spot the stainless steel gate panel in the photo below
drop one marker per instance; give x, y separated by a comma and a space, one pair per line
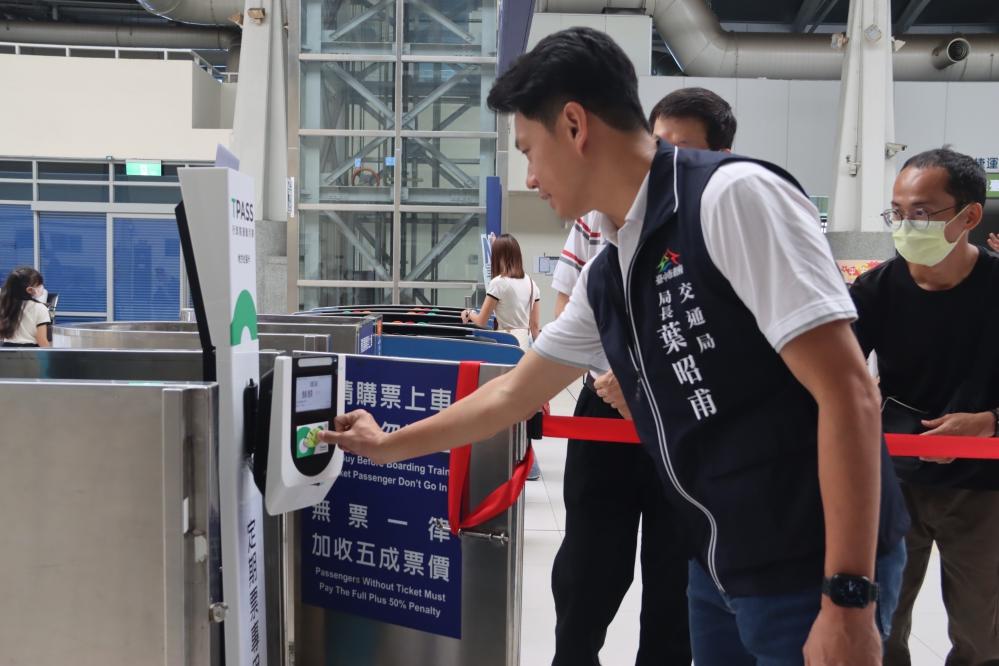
491, 589
177, 335
109, 514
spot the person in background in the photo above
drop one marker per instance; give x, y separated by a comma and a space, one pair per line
514, 298
24, 313
608, 486
930, 316
511, 295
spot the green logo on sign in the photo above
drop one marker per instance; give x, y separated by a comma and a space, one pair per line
243, 317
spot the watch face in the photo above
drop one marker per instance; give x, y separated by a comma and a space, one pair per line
850, 591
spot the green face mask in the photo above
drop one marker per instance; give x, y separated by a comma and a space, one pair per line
926, 247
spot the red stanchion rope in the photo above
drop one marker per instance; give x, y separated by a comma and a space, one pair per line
500, 499
924, 446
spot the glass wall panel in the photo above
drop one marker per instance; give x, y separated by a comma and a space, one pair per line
15, 169
16, 191
450, 298
453, 27
322, 297
73, 171
88, 193
442, 247
342, 245
447, 170
150, 195
348, 95
73, 253
338, 169
348, 26
447, 96
146, 269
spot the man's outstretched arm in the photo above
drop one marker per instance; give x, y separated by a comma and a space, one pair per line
504, 401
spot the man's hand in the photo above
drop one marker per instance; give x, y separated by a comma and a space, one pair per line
960, 424
993, 241
608, 388
843, 637
358, 433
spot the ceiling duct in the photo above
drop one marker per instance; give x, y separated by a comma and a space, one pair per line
138, 36
702, 47
198, 12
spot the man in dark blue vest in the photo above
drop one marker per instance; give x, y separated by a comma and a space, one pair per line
725, 319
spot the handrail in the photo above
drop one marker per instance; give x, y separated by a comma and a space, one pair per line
68, 49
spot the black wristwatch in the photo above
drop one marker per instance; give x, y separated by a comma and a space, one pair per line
850, 591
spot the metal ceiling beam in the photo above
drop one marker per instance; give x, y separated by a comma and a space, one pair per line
807, 12
823, 13
359, 20
358, 245
445, 22
909, 16
443, 246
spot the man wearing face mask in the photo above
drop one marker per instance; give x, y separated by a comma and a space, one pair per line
930, 316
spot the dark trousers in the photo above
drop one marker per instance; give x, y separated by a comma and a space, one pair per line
965, 526
607, 488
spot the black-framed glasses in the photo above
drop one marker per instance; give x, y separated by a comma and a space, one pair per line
919, 217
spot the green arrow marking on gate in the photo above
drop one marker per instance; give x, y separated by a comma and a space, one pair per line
243, 317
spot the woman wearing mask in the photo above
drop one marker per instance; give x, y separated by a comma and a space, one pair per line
513, 296
24, 315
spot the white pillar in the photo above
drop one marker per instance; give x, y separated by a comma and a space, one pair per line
864, 175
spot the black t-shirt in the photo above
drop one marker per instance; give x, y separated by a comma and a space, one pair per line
937, 351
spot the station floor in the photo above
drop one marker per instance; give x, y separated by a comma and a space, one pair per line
544, 525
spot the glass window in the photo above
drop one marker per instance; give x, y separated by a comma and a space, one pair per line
341, 245
337, 169
90, 193
17, 238
12, 169
147, 195
447, 27
16, 191
447, 171
446, 96
442, 247
349, 26
73, 253
146, 270
324, 297
73, 171
169, 172
451, 298
348, 95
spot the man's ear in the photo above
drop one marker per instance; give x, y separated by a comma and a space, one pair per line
576, 123
975, 212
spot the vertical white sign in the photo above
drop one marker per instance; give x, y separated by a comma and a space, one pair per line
219, 207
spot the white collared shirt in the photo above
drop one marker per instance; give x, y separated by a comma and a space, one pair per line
763, 235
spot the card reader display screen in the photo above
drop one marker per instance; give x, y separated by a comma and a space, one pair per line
313, 393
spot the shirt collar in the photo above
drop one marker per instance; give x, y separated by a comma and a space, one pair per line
635, 217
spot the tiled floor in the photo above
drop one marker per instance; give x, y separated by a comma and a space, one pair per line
544, 525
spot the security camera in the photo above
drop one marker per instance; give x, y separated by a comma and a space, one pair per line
892, 149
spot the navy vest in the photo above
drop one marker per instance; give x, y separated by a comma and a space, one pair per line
732, 431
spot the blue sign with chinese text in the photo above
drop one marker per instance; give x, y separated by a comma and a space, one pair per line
379, 545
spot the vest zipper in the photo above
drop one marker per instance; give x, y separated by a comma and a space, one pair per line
657, 419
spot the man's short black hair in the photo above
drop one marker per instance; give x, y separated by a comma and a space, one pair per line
576, 65
966, 180
704, 105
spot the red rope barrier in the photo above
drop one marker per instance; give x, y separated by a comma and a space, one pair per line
923, 446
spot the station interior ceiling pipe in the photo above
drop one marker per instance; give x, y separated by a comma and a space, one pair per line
198, 12
137, 36
701, 46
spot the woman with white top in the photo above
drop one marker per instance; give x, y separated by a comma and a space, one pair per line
514, 298
511, 295
24, 315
